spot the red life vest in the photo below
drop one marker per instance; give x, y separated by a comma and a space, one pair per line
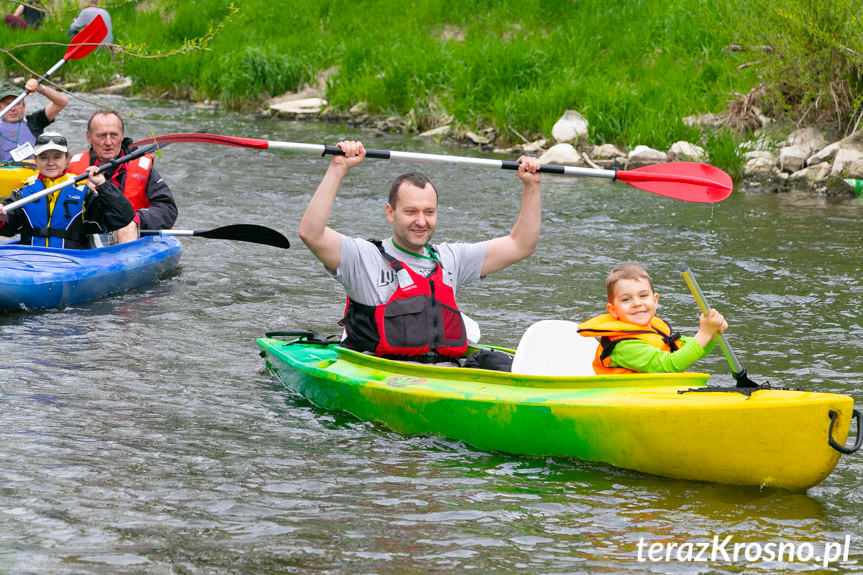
134, 185
610, 331
421, 317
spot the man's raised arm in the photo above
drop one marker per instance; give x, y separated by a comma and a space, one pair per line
320, 238
522, 239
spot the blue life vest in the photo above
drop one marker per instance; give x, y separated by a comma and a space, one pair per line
65, 222
12, 136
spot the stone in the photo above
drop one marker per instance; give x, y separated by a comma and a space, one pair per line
761, 167
825, 154
477, 138
855, 169
534, 147
798, 147
570, 127
563, 154
645, 156
438, 132
808, 136
607, 152
793, 158
760, 154
849, 151
686, 152
805, 178
300, 107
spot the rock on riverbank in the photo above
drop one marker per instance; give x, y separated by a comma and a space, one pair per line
804, 161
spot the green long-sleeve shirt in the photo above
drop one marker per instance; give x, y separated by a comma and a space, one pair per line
642, 357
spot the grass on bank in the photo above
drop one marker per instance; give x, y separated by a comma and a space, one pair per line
633, 68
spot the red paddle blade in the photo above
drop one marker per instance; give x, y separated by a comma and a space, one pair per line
87, 39
688, 181
197, 137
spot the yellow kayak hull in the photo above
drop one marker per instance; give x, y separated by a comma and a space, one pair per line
664, 424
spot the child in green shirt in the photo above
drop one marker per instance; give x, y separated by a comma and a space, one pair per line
633, 339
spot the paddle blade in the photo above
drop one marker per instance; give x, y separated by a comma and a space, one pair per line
247, 233
199, 138
87, 39
688, 181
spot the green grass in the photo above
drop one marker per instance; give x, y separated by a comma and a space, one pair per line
633, 68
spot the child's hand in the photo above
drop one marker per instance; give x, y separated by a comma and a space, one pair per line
713, 322
709, 326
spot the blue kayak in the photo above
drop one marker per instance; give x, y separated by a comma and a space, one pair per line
37, 277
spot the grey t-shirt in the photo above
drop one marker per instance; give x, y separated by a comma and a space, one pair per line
86, 16
368, 279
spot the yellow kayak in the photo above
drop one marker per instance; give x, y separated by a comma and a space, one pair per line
671, 425
13, 175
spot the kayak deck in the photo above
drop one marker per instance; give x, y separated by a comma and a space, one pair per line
13, 175
40, 277
664, 424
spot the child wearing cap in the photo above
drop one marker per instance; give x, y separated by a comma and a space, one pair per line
633, 340
65, 218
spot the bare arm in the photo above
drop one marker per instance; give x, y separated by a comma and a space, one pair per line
522, 239
57, 101
320, 238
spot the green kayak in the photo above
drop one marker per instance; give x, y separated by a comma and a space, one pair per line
664, 424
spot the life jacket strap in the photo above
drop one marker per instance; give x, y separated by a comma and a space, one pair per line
56, 233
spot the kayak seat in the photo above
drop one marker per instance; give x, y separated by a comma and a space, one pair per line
554, 347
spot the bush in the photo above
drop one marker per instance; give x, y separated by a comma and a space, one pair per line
809, 54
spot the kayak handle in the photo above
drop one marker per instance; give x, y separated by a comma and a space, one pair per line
842, 448
293, 333
304, 336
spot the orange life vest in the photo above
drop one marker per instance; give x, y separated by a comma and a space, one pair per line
610, 331
135, 184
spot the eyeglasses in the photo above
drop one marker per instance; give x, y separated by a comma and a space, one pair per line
45, 139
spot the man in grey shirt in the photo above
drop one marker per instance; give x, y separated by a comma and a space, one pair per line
368, 276
89, 14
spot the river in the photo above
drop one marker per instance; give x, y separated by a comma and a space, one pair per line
141, 433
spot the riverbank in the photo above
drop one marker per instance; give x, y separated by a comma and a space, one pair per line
634, 72
804, 161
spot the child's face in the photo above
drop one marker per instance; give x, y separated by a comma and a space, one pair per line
634, 301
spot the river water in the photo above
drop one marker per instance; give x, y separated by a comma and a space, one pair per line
142, 434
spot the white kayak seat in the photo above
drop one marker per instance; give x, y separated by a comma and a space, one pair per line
471, 329
554, 347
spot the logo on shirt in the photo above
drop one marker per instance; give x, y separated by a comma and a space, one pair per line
387, 277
